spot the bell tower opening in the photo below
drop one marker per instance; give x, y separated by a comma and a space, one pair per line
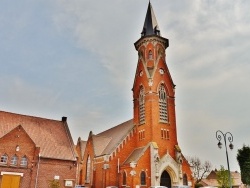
165, 179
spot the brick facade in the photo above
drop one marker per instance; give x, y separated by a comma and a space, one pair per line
144, 151
141, 152
45, 146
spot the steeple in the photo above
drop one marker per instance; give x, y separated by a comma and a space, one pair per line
150, 25
153, 89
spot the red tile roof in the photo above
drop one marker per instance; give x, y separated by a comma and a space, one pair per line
106, 142
52, 136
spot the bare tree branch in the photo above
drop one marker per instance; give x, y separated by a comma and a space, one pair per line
200, 170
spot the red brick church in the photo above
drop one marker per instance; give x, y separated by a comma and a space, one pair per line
143, 151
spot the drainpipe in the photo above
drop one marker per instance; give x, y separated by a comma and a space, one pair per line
38, 165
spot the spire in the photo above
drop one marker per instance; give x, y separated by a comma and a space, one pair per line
150, 25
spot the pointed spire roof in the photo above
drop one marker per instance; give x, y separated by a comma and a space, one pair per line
151, 26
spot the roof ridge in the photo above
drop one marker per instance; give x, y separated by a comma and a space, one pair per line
30, 116
113, 127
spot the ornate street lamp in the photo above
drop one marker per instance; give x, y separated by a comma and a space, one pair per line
226, 136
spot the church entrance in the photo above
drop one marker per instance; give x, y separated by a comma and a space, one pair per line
165, 179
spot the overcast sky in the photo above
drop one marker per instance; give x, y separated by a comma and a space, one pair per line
77, 59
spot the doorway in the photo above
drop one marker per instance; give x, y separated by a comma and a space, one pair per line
165, 179
10, 181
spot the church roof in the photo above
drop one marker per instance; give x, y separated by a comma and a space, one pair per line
82, 146
135, 155
151, 26
107, 141
52, 136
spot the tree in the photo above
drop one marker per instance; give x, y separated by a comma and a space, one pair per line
54, 184
200, 170
223, 178
243, 158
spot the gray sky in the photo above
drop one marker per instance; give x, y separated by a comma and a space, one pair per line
77, 59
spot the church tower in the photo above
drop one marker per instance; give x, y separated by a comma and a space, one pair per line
143, 151
154, 90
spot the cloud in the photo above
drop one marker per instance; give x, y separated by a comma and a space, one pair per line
77, 59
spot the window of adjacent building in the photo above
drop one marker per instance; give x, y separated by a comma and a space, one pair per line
4, 159
143, 178
17, 148
87, 177
14, 160
124, 178
163, 104
141, 106
24, 161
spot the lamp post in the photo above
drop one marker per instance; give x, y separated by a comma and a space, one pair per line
226, 136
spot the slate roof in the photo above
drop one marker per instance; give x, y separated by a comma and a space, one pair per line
52, 136
107, 141
151, 26
135, 155
138, 152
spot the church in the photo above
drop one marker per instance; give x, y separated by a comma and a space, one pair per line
144, 150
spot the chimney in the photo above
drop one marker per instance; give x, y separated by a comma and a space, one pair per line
64, 119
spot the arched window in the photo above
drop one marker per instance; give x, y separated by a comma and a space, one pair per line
150, 55
14, 160
124, 178
168, 134
143, 178
24, 161
80, 178
141, 106
4, 159
87, 176
185, 181
141, 134
163, 104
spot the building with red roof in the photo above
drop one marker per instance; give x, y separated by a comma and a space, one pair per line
143, 151
35, 151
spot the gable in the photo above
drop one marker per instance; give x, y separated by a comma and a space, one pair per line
80, 147
17, 141
16, 134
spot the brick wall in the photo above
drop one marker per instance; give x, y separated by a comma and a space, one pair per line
47, 168
51, 168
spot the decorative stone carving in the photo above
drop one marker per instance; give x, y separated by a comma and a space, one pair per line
156, 161
150, 83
